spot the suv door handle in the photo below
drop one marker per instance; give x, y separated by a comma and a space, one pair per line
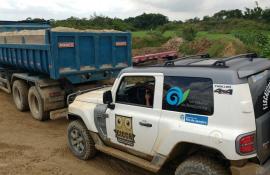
143, 123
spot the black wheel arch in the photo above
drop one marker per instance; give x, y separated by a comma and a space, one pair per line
73, 117
184, 150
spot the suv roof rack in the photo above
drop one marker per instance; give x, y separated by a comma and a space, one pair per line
171, 62
217, 64
222, 63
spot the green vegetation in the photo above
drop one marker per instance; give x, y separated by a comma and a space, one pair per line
256, 41
149, 39
217, 45
226, 32
189, 33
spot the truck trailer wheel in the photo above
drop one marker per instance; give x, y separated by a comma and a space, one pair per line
80, 141
36, 105
200, 165
19, 93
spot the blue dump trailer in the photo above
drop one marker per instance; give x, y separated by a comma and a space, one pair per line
40, 66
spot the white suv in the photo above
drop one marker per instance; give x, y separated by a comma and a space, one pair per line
210, 116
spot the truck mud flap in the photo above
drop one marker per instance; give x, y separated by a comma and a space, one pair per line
58, 114
100, 120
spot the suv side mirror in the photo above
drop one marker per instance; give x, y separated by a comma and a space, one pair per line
107, 99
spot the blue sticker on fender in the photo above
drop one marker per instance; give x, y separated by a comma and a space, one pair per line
196, 119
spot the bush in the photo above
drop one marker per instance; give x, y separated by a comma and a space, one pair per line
215, 48
189, 33
198, 46
169, 27
186, 49
256, 41
152, 39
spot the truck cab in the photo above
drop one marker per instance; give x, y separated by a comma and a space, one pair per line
209, 116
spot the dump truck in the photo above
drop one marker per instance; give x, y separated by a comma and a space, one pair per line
41, 66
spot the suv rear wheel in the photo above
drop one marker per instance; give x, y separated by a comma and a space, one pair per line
80, 141
200, 165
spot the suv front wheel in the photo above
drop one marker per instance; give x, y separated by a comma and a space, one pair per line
80, 141
200, 165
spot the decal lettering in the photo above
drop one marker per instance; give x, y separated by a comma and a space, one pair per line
266, 97
124, 130
121, 44
66, 45
223, 89
196, 119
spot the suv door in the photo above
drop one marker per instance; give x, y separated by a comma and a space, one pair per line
134, 121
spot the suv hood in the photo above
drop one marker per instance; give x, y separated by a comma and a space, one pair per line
95, 96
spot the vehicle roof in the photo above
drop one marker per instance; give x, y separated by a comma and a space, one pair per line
235, 71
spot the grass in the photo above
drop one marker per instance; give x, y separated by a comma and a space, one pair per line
139, 34
142, 34
213, 43
214, 36
170, 33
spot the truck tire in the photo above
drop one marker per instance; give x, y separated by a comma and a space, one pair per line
19, 93
201, 165
80, 141
36, 105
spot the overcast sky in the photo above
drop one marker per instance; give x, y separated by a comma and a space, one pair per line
174, 9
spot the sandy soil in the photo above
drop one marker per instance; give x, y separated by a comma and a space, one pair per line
29, 147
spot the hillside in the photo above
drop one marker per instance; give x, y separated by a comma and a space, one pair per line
225, 33
242, 36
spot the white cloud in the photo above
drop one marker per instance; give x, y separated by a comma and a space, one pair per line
60, 9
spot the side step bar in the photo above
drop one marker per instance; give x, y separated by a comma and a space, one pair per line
128, 158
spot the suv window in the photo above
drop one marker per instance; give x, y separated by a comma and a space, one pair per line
188, 94
136, 90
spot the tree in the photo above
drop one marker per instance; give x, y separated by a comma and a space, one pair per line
28, 19
206, 18
228, 14
193, 20
148, 21
266, 15
255, 13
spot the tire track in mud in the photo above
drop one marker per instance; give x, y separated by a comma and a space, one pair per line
20, 159
29, 147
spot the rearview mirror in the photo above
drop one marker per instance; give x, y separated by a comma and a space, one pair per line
107, 99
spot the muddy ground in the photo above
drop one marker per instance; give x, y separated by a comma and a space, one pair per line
29, 147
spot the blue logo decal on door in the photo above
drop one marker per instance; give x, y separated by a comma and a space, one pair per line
176, 97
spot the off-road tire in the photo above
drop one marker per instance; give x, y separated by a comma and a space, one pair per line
36, 105
201, 165
20, 95
89, 150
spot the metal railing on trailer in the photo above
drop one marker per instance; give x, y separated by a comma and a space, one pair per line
8, 26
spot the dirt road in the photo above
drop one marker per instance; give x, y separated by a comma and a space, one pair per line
30, 147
